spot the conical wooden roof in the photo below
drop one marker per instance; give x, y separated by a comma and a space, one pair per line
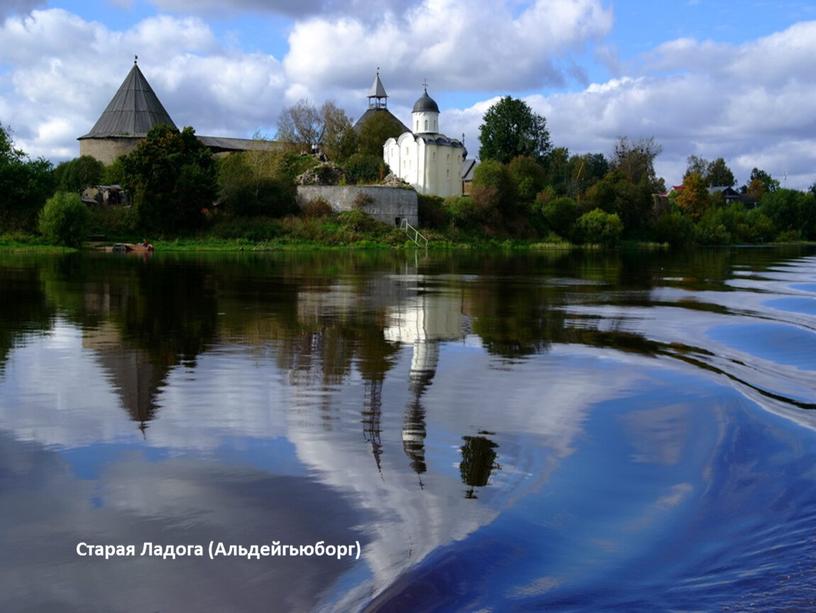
133, 111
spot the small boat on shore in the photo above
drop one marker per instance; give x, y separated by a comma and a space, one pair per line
140, 248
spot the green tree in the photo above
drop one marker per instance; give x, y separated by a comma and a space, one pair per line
64, 219
377, 129
560, 215
172, 178
25, 184
528, 177
791, 212
558, 170
762, 182
617, 194
509, 129
79, 173
719, 174
598, 226
114, 173
586, 170
493, 187
256, 183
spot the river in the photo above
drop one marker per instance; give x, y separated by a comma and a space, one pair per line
555, 430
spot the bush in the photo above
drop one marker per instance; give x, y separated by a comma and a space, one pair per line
463, 212
598, 226
249, 228
560, 215
358, 221
712, 229
791, 212
432, 212
492, 186
64, 219
114, 174
112, 222
317, 208
255, 184
292, 165
365, 168
674, 228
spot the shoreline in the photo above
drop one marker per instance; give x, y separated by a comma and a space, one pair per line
193, 245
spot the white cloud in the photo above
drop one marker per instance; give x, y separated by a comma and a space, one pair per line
750, 103
447, 42
63, 70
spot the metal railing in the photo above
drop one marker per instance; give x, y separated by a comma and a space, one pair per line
415, 235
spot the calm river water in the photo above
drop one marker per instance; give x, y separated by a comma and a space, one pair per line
570, 431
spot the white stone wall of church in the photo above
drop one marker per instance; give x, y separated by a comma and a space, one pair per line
425, 122
430, 168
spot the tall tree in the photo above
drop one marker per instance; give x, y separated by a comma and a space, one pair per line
172, 177
338, 139
301, 125
719, 174
509, 129
760, 177
585, 171
635, 159
79, 173
714, 174
696, 164
25, 184
694, 198
558, 170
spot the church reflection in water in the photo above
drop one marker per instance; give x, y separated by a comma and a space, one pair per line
320, 348
423, 322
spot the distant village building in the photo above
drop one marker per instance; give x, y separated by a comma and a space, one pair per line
130, 115
426, 158
468, 172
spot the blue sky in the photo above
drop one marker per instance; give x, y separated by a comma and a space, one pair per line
678, 70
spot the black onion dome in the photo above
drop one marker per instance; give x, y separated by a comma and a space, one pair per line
425, 104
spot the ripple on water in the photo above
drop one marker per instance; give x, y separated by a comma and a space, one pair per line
806, 306
779, 343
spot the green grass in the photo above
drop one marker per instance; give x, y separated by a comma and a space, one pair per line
327, 234
23, 242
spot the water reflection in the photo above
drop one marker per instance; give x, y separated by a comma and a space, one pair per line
478, 462
431, 409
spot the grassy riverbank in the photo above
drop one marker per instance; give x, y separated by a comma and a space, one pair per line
332, 237
22, 242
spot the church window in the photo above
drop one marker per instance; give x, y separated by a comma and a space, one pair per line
426, 124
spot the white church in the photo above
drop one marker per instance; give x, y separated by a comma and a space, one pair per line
428, 160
